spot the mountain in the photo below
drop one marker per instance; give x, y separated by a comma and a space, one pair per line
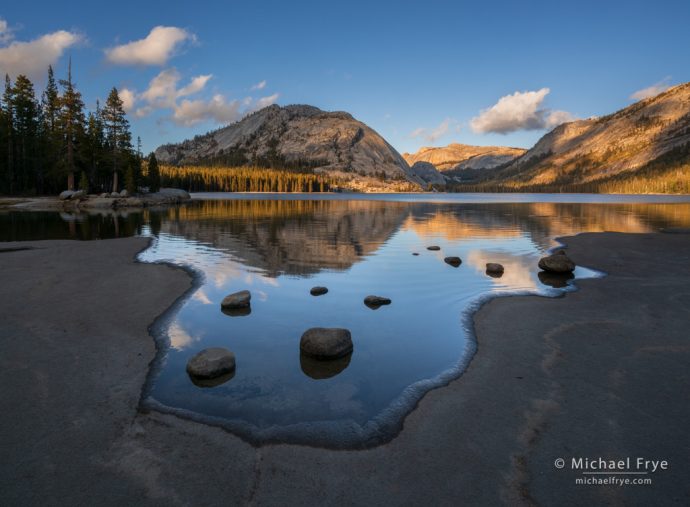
298, 136
648, 141
456, 157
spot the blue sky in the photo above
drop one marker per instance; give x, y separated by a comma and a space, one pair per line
420, 73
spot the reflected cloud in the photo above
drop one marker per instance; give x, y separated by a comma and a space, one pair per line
518, 270
179, 338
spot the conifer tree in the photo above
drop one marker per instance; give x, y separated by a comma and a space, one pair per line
154, 175
72, 125
117, 133
26, 126
8, 113
50, 128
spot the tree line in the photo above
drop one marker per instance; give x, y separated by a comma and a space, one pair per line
244, 179
47, 143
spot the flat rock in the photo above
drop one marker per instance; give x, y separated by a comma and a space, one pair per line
453, 261
211, 363
376, 301
239, 299
318, 291
558, 262
326, 343
433, 247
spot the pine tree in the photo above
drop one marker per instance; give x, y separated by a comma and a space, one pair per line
154, 175
72, 124
26, 126
8, 110
117, 133
50, 129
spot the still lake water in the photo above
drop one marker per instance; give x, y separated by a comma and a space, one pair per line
279, 246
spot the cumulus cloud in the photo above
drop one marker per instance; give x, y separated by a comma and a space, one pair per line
519, 111
33, 57
127, 97
259, 86
155, 49
191, 112
164, 92
436, 133
653, 90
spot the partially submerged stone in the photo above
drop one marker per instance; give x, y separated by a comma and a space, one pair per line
558, 262
326, 343
318, 291
375, 301
433, 247
236, 300
494, 269
453, 261
211, 363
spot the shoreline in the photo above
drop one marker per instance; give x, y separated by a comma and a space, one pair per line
485, 437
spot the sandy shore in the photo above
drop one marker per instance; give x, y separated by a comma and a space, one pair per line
600, 372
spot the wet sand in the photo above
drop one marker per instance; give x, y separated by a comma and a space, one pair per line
603, 371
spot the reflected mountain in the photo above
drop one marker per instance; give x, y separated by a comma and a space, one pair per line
289, 237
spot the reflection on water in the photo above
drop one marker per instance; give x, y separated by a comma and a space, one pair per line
280, 249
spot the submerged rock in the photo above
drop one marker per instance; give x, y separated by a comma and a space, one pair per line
319, 369
494, 269
318, 291
211, 363
415, 253
326, 343
453, 261
433, 248
558, 262
236, 300
374, 302
212, 382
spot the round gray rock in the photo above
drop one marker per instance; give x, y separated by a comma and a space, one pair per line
211, 363
453, 261
326, 343
318, 291
494, 268
559, 262
376, 301
239, 299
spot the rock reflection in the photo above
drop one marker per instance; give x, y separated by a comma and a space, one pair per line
212, 382
237, 312
555, 280
320, 369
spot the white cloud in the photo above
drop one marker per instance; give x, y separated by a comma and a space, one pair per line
128, 98
191, 112
33, 57
519, 111
653, 90
265, 102
259, 86
164, 93
6, 34
155, 49
436, 133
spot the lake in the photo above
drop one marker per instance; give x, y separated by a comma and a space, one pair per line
279, 246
